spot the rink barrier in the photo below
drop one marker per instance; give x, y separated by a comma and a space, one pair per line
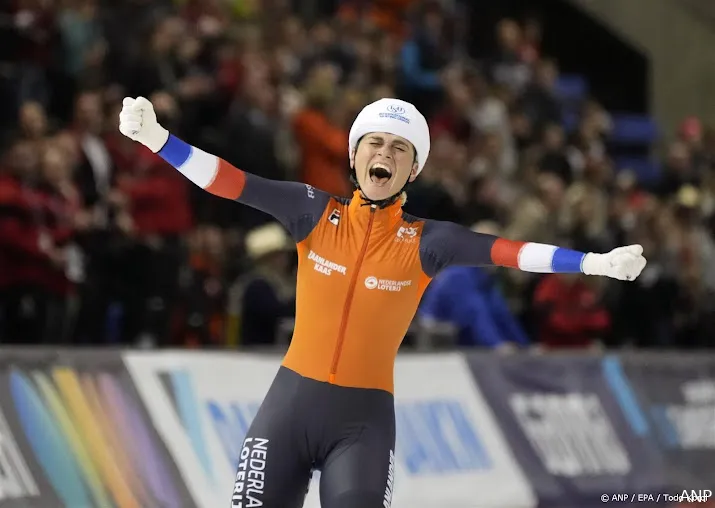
110, 428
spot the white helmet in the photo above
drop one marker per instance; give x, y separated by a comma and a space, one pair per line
396, 117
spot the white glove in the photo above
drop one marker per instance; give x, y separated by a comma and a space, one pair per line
137, 121
622, 263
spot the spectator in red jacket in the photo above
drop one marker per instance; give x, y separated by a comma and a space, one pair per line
155, 197
570, 314
61, 207
18, 245
38, 204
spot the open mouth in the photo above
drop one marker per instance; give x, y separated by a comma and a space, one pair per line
380, 174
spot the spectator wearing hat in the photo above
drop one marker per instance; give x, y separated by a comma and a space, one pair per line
265, 296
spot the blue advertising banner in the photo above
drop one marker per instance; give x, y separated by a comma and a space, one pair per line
670, 400
74, 433
567, 429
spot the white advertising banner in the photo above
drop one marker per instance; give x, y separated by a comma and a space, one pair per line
450, 451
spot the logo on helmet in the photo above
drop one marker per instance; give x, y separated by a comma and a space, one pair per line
396, 113
394, 108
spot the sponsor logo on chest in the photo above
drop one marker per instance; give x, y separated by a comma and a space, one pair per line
325, 266
386, 284
334, 217
406, 235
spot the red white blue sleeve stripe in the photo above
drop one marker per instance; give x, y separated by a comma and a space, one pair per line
536, 257
222, 179
204, 169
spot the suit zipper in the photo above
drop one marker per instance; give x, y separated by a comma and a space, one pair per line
349, 299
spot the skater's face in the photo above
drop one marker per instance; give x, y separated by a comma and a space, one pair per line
383, 163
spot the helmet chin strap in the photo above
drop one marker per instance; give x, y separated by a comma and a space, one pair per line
379, 203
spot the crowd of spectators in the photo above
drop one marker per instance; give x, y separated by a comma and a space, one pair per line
101, 242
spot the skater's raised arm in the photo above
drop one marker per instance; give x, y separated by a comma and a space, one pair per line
444, 244
297, 206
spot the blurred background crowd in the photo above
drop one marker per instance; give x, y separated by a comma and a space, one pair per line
101, 242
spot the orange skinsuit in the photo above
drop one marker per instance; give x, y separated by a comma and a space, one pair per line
361, 269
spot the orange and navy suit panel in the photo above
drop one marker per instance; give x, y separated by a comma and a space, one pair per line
361, 270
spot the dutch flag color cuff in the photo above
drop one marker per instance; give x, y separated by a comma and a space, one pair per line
536, 257
205, 170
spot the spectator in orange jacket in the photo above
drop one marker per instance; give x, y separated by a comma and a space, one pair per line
388, 15
323, 144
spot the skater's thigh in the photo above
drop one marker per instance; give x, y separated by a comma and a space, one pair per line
359, 470
274, 468
360, 474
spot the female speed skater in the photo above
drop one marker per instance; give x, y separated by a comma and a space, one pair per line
363, 267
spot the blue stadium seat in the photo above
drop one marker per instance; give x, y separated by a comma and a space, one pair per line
571, 89
647, 171
570, 121
633, 130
